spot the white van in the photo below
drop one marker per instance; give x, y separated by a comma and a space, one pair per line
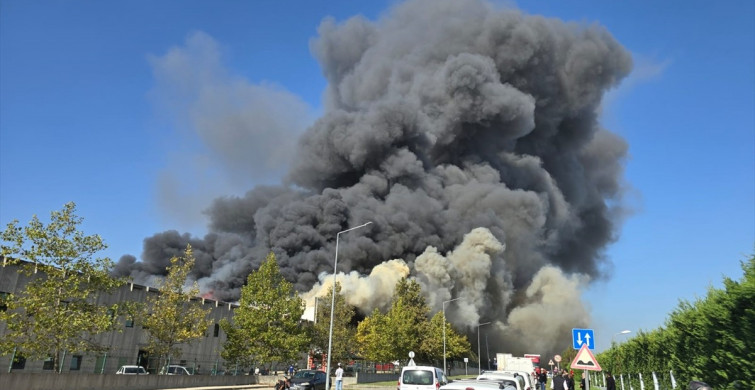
421, 378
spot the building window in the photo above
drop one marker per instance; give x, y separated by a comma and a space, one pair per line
216, 332
75, 362
4, 296
48, 364
19, 362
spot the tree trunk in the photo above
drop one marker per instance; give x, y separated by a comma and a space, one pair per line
56, 361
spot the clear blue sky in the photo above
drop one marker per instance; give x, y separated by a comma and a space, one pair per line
85, 117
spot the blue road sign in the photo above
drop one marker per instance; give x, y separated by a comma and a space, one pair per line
582, 336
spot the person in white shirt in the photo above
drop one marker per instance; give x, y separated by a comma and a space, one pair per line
339, 377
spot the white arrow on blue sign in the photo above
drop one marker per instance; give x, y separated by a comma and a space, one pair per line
582, 336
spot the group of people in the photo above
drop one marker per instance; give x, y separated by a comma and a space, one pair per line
285, 383
564, 380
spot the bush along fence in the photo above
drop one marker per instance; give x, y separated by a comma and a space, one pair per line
710, 340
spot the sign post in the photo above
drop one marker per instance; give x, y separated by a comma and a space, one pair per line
585, 360
557, 358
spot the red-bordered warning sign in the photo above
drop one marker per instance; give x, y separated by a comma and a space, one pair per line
585, 360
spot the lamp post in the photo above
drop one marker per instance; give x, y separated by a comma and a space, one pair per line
444, 331
333, 302
616, 334
479, 361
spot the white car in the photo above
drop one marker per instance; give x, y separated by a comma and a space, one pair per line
522, 380
473, 384
174, 370
132, 370
529, 380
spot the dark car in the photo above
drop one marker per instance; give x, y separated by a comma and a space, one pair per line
308, 380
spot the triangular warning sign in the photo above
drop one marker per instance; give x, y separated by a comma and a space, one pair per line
585, 360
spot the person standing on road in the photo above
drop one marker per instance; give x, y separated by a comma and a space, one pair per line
339, 377
570, 379
559, 382
542, 379
610, 382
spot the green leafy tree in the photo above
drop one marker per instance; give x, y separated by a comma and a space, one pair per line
344, 333
567, 355
374, 338
56, 312
171, 317
457, 345
408, 320
267, 325
390, 336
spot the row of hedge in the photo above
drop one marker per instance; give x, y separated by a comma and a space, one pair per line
711, 340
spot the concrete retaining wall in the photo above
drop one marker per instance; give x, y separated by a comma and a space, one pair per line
51, 381
364, 377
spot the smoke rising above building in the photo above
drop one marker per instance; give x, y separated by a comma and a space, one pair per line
468, 135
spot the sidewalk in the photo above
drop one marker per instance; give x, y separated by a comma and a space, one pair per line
264, 386
234, 387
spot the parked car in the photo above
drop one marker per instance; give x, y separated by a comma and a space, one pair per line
308, 380
473, 384
498, 376
132, 370
421, 378
528, 380
174, 370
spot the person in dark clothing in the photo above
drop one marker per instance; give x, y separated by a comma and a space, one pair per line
570, 379
542, 379
560, 382
283, 384
610, 382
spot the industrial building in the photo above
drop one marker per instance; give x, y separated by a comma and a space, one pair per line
128, 341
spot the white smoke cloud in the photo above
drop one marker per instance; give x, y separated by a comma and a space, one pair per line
547, 308
366, 292
552, 306
464, 272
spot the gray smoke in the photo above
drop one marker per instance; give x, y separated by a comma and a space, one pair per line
441, 117
228, 134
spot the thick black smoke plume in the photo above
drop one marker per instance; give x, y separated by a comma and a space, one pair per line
468, 135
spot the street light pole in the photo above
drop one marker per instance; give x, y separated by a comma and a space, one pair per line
444, 331
333, 303
616, 334
479, 361
612, 342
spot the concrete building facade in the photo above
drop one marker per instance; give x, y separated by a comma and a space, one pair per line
126, 344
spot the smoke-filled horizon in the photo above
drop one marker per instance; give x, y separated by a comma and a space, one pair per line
468, 135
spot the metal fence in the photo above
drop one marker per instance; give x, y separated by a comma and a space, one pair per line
109, 362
